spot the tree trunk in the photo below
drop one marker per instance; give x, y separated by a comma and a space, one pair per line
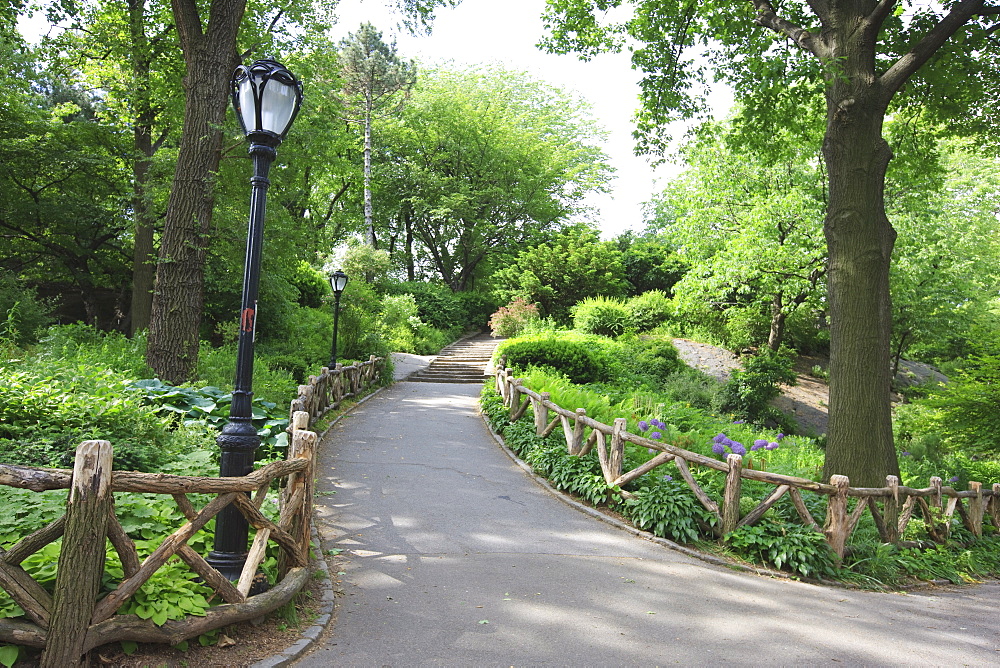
411, 272
143, 254
778, 318
210, 57
369, 216
860, 241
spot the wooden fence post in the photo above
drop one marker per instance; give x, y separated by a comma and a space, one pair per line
81, 559
731, 495
836, 515
299, 485
891, 510
541, 413
617, 454
576, 438
976, 509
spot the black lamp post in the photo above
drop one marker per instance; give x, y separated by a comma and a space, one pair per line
338, 281
266, 97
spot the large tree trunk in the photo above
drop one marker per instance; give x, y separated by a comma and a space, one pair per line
210, 57
860, 241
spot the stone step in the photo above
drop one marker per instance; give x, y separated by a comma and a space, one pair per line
462, 362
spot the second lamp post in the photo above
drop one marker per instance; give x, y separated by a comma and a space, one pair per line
338, 281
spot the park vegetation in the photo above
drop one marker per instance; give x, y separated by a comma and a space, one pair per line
454, 198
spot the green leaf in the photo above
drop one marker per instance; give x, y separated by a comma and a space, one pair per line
129, 646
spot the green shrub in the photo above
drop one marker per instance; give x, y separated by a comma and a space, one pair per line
668, 508
787, 546
273, 383
649, 310
82, 345
748, 392
45, 414
359, 334
601, 316
514, 318
574, 358
653, 357
22, 313
312, 285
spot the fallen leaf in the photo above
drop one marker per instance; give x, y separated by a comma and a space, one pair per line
225, 641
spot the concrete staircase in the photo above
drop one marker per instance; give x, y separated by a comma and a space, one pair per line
464, 361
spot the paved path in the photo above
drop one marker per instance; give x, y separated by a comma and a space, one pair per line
455, 557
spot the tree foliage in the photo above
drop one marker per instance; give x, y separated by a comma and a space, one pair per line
750, 228
796, 65
558, 274
483, 161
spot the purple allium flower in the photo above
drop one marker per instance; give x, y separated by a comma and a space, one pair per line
771, 446
656, 434
779, 437
954, 478
719, 438
737, 448
650, 450
643, 425
718, 448
657, 423
668, 478
905, 453
758, 444
739, 421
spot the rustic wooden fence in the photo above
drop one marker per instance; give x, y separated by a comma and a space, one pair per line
73, 620
328, 390
891, 507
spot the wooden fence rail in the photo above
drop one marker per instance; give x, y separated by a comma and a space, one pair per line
326, 391
73, 620
892, 507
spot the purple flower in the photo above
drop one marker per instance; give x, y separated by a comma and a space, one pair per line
779, 437
905, 453
771, 446
656, 434
650, 450
719, 438
737, 448
954, 478
657, 423
643, 425
740, 422
718, 448
758, 444
668, 478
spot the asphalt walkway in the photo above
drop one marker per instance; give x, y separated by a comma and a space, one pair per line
454, 556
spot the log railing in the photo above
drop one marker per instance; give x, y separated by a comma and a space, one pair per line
891, 507
326, 391
72, 620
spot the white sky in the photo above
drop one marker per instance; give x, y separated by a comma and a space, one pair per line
487, 31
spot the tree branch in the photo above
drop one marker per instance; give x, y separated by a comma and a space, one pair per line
768, 18
904, 68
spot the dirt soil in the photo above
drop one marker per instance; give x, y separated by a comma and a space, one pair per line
806, 401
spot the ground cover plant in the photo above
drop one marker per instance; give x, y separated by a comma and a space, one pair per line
663, 505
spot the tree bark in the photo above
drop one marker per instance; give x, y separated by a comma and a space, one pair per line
210, 56
860, 240
143, 258
81, 559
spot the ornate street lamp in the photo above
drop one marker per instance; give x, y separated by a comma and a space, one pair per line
266, 97
338, 281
